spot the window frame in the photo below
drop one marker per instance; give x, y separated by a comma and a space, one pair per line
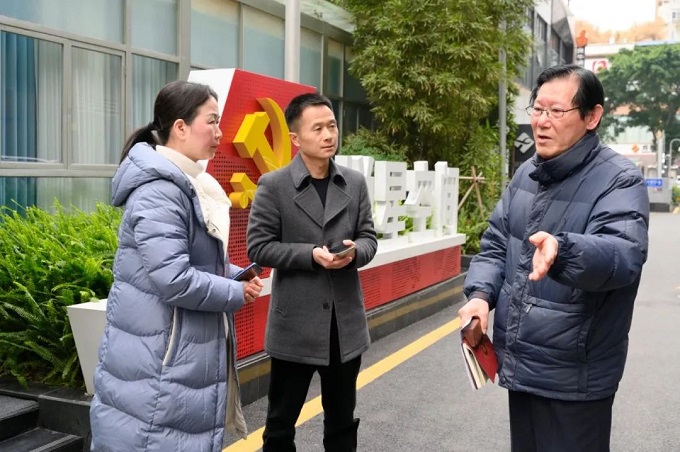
125, 51
16, 167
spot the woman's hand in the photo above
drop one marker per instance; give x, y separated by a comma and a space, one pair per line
252, 289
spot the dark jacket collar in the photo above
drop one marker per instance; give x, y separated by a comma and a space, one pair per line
559, 168
301, 175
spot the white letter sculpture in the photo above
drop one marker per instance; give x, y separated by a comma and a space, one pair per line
390, 191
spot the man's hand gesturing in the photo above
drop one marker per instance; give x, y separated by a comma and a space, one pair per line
545, 254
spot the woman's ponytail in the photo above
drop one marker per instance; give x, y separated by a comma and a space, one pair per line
145, 134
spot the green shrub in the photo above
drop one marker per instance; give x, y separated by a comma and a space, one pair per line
50, 261
676, 195
480, 153
372, 144
472, 224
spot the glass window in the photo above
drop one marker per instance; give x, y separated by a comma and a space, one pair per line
31, 81
148, 77
214, 33
353, 89
565, 53
17, 191
526, 78
336, 109
97, 107
350, 122
99, 19
335, 58
540, 47
529, 26
263, 43
161, 36
310, 58
554, 48
80, 192
365, 117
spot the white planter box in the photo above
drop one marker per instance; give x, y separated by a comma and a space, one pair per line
87, 323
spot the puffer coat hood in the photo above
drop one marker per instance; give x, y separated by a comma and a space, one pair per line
142, 166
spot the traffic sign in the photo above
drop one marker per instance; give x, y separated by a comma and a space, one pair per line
656, 183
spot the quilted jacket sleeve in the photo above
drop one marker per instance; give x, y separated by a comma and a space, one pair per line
487, 269
610, 253
160, 219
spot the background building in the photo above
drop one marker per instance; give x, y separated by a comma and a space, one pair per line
77, 76
669, 12
636, 143
552, 26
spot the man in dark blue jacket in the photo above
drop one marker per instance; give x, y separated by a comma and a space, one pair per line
561, 263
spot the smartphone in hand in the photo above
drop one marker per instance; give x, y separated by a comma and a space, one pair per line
341, 250
248, 273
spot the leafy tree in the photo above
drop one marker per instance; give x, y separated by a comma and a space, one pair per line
648, 31
431, 70
644, 83
373, 144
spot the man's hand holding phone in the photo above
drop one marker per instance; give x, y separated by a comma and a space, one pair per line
335, 256
341, 250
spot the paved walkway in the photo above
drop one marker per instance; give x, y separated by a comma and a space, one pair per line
415, 396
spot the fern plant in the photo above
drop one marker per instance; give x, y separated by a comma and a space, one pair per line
51, 261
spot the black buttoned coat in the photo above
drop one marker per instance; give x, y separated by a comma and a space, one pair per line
287, 220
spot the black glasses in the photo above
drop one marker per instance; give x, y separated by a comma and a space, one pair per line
554, 113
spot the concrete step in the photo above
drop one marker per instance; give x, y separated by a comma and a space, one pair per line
17, 416
42, 440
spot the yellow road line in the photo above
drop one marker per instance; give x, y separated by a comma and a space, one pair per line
313, 408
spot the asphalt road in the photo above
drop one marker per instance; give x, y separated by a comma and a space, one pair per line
426, 404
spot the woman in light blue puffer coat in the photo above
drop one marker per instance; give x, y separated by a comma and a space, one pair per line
166, 379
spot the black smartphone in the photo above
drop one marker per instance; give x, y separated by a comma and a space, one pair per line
340, 249
248, 273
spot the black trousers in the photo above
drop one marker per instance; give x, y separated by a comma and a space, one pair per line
539, 424
288, 387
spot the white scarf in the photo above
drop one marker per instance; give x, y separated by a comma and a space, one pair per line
214, 202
